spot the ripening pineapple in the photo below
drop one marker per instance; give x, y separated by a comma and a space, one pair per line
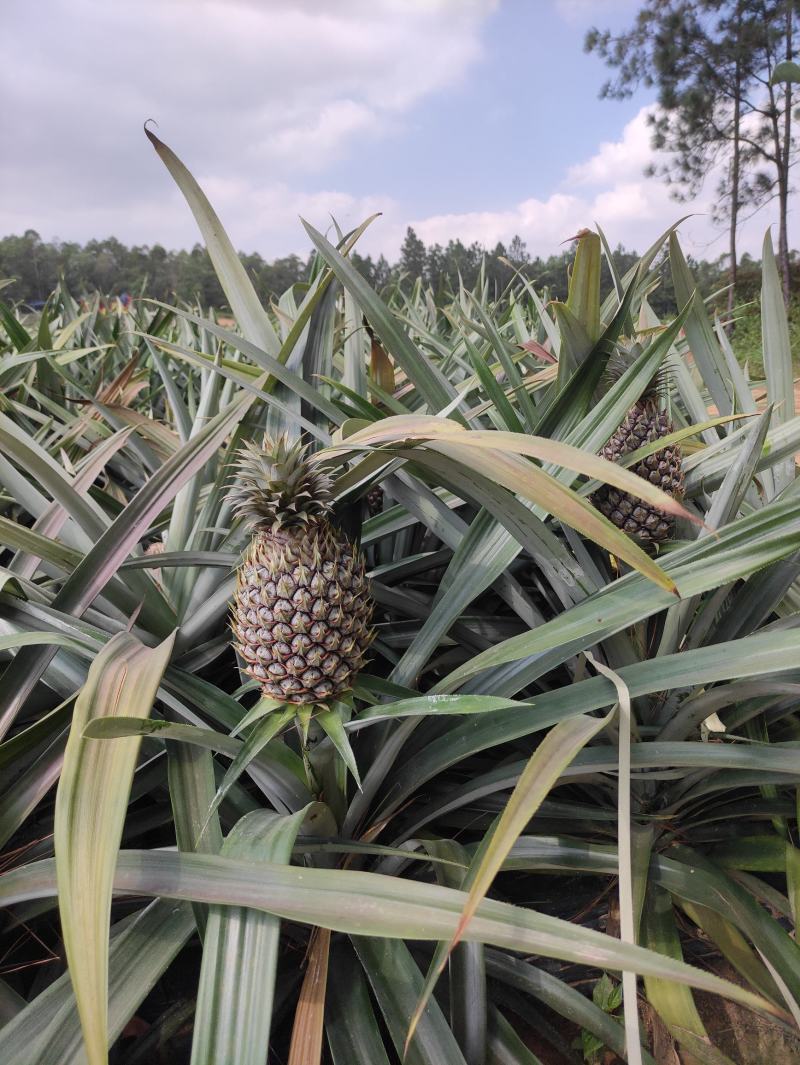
302, 612
644, 422
374, 498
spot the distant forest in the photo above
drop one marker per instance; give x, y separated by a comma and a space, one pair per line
111, 268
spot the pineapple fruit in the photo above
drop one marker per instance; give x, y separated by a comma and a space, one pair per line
644, 422
374, 499
302, 611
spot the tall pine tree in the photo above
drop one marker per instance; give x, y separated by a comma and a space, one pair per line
711, 62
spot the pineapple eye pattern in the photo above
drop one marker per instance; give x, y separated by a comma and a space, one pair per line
643, 424
302, 613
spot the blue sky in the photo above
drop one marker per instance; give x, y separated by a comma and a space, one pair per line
512, 125
475, 119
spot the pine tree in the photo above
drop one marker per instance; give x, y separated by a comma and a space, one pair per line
711, 62
412, 255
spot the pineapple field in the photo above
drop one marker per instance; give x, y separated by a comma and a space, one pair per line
389, 680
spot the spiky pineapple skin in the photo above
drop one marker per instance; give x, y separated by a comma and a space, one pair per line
643, 424
374, 499
302, 612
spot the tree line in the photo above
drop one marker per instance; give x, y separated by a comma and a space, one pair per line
112, 269
717, 67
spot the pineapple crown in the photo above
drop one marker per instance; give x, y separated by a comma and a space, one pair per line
277, 487
621, 360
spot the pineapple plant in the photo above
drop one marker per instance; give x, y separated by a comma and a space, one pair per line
302, 609
439, 791
645, 422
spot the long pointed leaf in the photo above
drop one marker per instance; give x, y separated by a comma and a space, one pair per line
240, 954
90, 809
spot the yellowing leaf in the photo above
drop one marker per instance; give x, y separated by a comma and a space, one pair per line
306, 1048
90, 810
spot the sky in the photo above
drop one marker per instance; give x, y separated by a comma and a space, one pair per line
470, 119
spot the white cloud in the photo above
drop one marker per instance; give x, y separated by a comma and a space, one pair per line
609, 189
271, 214
613, 159
543, 223
263, 218
260, 98
274, 90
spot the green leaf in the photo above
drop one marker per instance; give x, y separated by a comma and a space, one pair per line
53, 479
576, 344
97, 567
435, 705
355, 367
752, 656
674, 1002
793, 880
237, 286
17, 333
370, 904
275, 365
555, 752
350, 1023
694, 879
560, 997
276, 771
604, 416
785, 71
505, 413
178, 351
264, 706
468, 990
707, 468
35, 639
240, 954
530, 482
431, 383
583, 299
777, 354
265, 730
699, 332
742, 548
48, 1028
429, 431
632, 458
190, 776
52, 521
607, 995
10, 1003
732, 945
507, 362
504, 1046
628, 917
90, 810
397, 983
331, 723
480, 452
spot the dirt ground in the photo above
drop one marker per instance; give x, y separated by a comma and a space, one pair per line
760, 396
